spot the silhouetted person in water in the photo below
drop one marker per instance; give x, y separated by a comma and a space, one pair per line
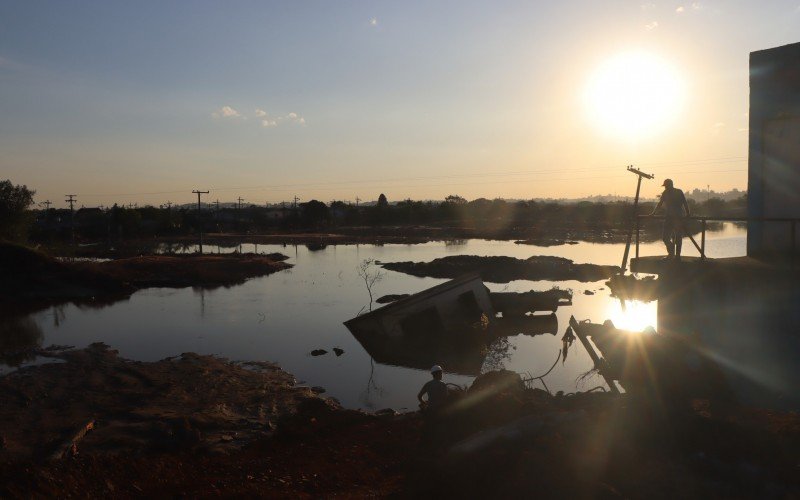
676, 209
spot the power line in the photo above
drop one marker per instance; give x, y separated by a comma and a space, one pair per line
488, 173
327, 185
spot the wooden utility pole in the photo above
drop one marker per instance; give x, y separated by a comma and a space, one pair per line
639, 175
199, 219
296, 199
357, 200
71, 200
46, 204
240, 200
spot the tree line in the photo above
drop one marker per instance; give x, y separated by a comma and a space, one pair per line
20, 221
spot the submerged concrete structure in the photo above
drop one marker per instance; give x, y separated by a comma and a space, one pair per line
773, 184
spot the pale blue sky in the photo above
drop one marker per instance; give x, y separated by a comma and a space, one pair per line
116, 100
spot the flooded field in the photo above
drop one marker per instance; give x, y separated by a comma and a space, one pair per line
285, 316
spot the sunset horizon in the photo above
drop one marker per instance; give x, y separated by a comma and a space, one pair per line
121, 104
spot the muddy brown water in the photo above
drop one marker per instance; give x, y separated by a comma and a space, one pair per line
284, 316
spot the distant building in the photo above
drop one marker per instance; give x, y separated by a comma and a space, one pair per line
774, 164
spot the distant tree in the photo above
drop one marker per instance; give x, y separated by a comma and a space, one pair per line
455, 199
315, 212
15, 219
382, 201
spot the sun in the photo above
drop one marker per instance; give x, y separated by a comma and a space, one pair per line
634, 95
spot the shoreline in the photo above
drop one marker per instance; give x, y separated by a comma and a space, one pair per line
190, 425
34, 280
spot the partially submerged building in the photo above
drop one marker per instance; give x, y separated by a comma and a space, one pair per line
453, 324
442, 324
444, 308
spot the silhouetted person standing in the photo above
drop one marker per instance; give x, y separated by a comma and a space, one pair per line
676, 209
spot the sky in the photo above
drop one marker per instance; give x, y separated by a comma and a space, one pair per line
143, 102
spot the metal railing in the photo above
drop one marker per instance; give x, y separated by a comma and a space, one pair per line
792, 222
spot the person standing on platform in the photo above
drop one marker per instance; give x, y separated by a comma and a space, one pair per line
676, 209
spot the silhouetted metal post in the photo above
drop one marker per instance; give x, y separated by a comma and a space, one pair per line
199, 220
71, 200
703, 242
639, 174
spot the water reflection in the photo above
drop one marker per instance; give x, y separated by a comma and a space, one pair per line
284, 316
633, 315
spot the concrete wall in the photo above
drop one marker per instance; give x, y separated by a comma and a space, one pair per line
447, 305
774, 159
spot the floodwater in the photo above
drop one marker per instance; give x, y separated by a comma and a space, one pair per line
284, 316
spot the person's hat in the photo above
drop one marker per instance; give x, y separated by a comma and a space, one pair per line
667, 182
436, 368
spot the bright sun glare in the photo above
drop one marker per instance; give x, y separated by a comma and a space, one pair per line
634, 95
634, 316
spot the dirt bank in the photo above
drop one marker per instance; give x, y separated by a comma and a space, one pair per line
189, 401
190, 424
505, 269
32, 279
197, 426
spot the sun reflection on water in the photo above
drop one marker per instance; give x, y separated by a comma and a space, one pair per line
632, 315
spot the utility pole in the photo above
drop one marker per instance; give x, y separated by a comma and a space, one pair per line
216, 205
639, 175
199, 219
46, 209
71, 200
296, 199
357, 200
240, 200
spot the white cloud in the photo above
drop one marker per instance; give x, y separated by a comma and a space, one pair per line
268, 120
680, 9
226, 112
264, 118
651, 26
373, 21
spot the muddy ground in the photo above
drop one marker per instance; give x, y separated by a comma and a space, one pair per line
199, 426
191, 424
498, 269
32, 279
